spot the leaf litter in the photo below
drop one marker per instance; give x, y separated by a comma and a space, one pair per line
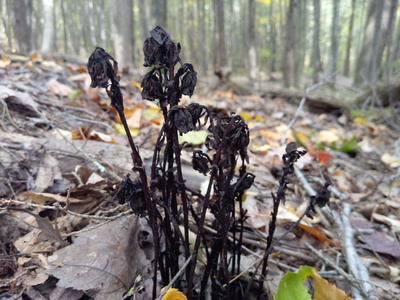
38, 159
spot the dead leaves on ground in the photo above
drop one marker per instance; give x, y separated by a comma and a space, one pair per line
57, 133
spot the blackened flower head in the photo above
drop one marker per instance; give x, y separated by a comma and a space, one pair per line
189, 80
182, 119
157, 48
152, 52
151, 87
100, 68
197, 111
131, 192
201, 162
232, 132
320, 199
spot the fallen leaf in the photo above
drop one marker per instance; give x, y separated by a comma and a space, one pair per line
390, 160
193, 137
291, 286
394, 224
323, 290
174, 294
105, 260
58, 88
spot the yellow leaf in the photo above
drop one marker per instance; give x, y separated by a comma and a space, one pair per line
328, 137
259, 118
360, 120
137, 84
193, 137
246, 116
120, 129
174, 294
324, 290
301, 138
4, 62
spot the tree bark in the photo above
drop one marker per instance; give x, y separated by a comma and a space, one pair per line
22, 11
123, 33
201, 51
316, 54
252, 52
346, 69
290, 40
219, 35
335, 33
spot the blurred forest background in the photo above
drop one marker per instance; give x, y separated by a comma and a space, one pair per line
294, 41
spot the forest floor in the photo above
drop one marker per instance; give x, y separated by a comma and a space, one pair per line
62, 151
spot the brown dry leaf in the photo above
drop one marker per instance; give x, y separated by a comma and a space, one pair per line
58, 88
41, 198
33, 241
319, 234
25, 102
381, 243
47, 173
323, 290
105, 260
392, 223
390, 160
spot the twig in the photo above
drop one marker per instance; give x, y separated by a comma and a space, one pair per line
57, 206
355, 266
300, 108
179, 273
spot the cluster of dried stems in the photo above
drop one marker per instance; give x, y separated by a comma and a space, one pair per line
163, 197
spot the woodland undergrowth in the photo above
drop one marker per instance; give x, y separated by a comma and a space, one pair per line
170, 207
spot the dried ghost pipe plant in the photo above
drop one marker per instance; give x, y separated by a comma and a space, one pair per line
163, 197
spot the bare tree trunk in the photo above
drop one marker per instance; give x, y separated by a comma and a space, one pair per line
370, 56
252, 52
333, 58
290, 40
219, 35
144, 27
48, 26
389, 38
273, 39
346, 70
316, 54
22, 11
160, 12
201, 51
123, 33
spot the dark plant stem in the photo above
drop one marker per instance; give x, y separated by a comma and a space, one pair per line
117, 101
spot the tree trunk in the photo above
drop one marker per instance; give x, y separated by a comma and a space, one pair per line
201, 51
290, 40
389, 38
144, 27
123, 33
48, 26
316, 54
370, 56
346, 70
334, 51
252, 52
219, 35
22, 11
160, 12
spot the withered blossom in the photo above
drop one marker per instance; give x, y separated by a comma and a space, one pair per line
131, 192
182, 119
100, 69
201, 162
244, 183
189, 80
291, 156
151, 87
320, 199
197, 111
